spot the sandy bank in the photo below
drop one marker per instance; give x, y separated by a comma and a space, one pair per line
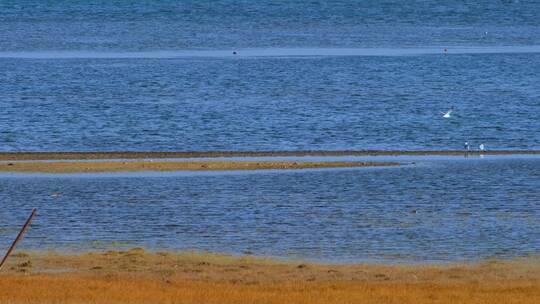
135, 155
145, 165
142, 277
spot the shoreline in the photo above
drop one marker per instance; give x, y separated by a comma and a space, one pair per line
66, 155
97, 277
165, 166
148, 262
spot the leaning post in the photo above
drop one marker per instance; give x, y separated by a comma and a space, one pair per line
18, 238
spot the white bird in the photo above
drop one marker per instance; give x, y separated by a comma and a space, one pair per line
448, 113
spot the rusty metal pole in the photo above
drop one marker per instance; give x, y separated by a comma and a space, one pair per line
18, 238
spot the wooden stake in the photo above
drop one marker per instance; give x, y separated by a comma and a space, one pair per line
18, 238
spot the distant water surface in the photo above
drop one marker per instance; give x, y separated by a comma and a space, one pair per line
150, 25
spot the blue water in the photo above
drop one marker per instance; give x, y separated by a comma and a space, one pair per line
436, 210
139, 75
277, 75
349, 102
151, 25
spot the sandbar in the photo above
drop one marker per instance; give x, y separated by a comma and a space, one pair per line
150, 165
5, 156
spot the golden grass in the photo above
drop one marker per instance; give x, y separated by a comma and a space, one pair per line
76, 288
145, 165
138, 276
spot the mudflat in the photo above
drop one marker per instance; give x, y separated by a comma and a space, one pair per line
139, 276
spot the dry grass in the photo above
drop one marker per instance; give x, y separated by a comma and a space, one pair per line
145, 165
70, 288
137, 276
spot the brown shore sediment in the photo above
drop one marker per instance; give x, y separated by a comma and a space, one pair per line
139, 276
148, 165
5, 156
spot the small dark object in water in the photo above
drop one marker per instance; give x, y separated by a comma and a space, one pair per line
234, 53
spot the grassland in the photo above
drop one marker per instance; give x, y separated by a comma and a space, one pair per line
138, 276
